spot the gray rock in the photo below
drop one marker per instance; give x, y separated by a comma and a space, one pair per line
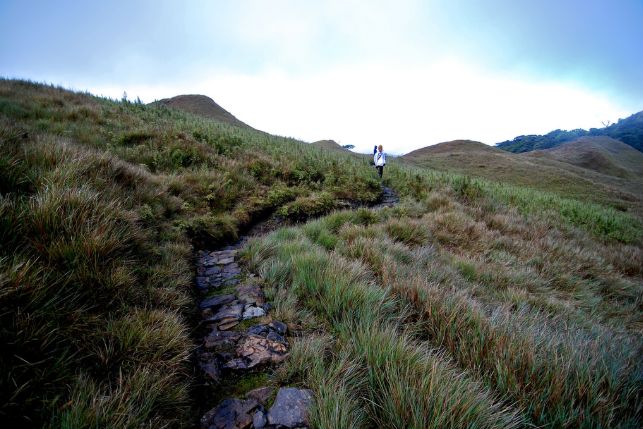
261, 394
259, 420
230, 414
280, 327
232, 269
256, 351
290, 408
221, 339
202, 282
251, 294
227, 324
236, 364
261, 330
273, 336
232, 311
252, 312
225, 260
229, 281
217, 301
212, 271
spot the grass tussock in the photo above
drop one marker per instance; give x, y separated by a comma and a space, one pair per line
551, 329
472, 304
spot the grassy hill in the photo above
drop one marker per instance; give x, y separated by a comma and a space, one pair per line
330, 145
593, 169
472, 303
628, 130
202, 106
601, 154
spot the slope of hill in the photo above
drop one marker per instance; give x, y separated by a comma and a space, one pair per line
469, 304
202, 106
330, 144
559, 171
601, 154
628, 130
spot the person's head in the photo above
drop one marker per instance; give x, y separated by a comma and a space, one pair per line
380, 148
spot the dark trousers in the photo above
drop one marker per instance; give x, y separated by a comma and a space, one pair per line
380, 170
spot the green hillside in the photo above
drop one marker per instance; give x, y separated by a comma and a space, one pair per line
471, 303
594, 169
330, 145
202, 106
628, 130
601, 154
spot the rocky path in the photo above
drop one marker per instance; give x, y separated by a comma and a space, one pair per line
241, 338
389, 198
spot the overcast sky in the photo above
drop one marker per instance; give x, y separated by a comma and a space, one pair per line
405, 74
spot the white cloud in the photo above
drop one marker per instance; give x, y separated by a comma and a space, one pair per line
403, 109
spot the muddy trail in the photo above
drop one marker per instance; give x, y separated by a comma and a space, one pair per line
240, 344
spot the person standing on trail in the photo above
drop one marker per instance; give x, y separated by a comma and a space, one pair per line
380, 160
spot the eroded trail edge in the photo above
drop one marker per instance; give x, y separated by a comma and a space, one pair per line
240, 343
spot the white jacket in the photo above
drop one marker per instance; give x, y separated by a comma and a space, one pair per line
380, 159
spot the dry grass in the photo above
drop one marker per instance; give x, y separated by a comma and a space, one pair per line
473, 304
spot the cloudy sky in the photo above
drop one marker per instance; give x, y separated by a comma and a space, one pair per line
403, 73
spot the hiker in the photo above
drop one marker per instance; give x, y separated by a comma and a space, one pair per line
380, 160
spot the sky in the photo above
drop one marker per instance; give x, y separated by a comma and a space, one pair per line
405, 74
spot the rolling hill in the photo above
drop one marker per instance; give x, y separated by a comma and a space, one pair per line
330, 145
602, 154
468, 303
596, 169
628, 130
203, 106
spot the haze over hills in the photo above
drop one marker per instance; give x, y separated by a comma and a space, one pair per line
203, 106
628, 130
598, 169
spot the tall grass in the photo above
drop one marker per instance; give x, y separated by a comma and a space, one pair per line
561, 372
403, 383
443, 312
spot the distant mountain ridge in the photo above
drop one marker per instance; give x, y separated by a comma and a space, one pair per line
203, 106
628, 130
599, 169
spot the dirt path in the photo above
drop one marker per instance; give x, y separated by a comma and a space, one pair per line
241, 343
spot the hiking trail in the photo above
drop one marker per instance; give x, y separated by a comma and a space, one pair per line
239, 340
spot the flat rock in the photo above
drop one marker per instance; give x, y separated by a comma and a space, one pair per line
251, 312
273, 336
261, 394
261, 330
228, 324
290, 408
223, 253
233, 311
280, 327
236, 364
225, 260
256, 350
221, 339
212, 271
229, 281
251, 294
231, 413
217, 301
259, 420
231, 268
